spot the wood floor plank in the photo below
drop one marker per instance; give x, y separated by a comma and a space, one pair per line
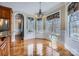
20, 47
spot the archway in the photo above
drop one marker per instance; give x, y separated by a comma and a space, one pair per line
19, 26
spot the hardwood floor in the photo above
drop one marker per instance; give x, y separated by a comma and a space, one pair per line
36, 47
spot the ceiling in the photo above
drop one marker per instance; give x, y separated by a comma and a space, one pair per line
31, 7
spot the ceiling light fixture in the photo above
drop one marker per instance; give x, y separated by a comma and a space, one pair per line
40, 14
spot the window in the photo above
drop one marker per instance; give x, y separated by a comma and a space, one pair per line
31, 23
56, 25
53, 23
73, 15
39, 25
74, 24
49, 26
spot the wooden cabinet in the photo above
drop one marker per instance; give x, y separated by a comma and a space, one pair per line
5, 14
0, 13
3, 47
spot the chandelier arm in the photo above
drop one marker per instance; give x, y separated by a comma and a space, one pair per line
40, 14
40, 5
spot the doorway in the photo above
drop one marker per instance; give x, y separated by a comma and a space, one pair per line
19, 26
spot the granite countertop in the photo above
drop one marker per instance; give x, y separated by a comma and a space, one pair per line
4, 34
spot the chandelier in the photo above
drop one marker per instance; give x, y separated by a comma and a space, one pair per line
40, 14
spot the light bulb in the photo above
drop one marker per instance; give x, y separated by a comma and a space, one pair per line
6, 21
1, 22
